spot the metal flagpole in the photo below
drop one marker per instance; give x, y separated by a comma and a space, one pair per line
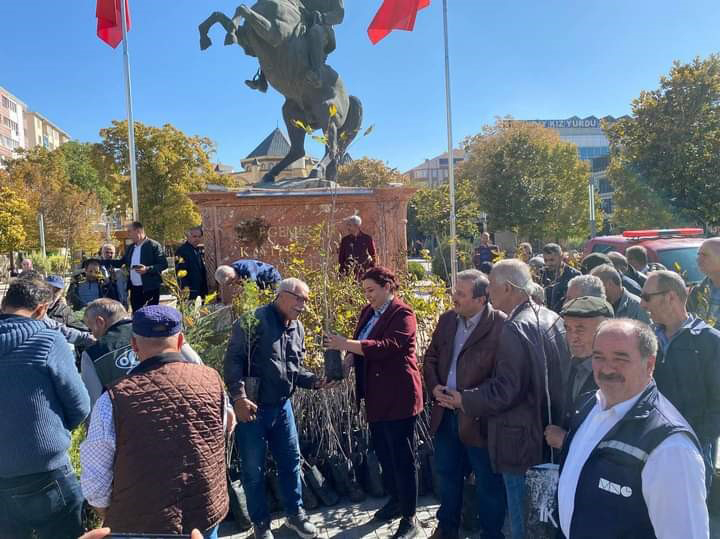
451, 155
131, 121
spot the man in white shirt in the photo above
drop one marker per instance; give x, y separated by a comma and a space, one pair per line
631, 465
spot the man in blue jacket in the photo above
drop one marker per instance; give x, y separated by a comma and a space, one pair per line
687, 370
42, 399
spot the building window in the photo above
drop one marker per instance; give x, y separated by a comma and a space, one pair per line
11, 124
8, 104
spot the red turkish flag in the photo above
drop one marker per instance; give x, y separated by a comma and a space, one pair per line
109, 23
395, 15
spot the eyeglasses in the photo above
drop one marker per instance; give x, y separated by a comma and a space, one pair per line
647, 295
298, 297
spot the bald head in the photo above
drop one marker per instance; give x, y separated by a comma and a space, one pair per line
709, 259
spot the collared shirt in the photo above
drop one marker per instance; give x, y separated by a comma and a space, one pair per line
368, 327
673, 479
464, 328
135, 277
663, 340
583, 370
97, 452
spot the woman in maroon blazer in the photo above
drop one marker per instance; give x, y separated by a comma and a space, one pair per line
387, 375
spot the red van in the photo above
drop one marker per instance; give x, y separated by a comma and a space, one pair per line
670, 247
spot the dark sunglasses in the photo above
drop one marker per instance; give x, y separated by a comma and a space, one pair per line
647, 295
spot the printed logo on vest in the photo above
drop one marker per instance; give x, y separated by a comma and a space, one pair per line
127, 360
614, 488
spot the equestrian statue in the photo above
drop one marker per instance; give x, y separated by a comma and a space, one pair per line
291, 40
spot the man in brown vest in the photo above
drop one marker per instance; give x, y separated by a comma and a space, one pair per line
154, 457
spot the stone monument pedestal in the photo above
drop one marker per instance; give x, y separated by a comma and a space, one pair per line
289, 215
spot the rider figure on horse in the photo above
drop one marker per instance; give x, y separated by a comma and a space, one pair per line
320, 16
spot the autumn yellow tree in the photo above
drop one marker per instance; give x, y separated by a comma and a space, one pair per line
69, 212
13, 209
367, 172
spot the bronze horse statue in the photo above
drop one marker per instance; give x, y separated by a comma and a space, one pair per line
277, 32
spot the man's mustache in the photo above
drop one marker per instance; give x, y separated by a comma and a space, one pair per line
613, 377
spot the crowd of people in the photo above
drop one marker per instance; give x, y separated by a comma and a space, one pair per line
610, 370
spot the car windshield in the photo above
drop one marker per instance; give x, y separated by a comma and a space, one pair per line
682, 260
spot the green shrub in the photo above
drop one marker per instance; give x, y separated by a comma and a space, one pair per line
49, 265
417, 270
441, 259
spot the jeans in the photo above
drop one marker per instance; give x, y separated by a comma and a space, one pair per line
274, 427
50, 503
453, 460
515, 491
394, 443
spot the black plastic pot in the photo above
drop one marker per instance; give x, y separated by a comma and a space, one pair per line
310, 501
252, 388
373, 476
238, 505
333, 365
320, 486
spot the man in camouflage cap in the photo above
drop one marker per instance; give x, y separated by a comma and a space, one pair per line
581, 316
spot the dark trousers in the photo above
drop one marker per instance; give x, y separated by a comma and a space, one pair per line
453, 461
394, 443
49, 503
139, 298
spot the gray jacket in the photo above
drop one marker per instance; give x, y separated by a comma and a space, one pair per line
628, 306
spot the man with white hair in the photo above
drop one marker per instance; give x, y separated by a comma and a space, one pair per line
357, 249
269, 359
624, 303
585, 285
264, 274
513, 399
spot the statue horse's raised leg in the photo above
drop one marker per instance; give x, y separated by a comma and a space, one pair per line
291, 113
225, 21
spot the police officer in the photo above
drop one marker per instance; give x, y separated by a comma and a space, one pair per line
631, 465
112, 357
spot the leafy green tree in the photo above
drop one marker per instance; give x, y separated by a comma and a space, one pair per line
528, 180
367, 172
170, 164
429, 211
636, 205
81, 162
672, 139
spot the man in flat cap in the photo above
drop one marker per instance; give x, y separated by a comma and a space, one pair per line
154, 457
582, 316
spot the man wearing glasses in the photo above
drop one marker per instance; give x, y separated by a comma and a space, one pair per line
271, 354
687, 370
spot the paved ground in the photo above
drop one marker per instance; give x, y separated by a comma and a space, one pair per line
353, 521
350, 521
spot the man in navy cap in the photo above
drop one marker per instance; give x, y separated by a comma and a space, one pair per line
59, 310
154, 457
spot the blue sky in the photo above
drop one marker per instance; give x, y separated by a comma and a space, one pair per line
529, 59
